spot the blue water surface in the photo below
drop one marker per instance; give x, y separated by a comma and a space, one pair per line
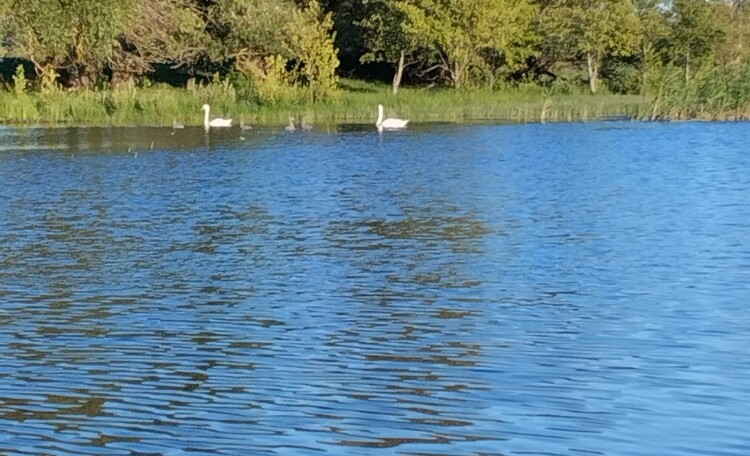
446, 290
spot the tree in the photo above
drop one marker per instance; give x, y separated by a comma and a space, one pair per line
75, 35
251, 29
386, 40
459, 32
736, 14
4, 14
310, 43
268, 37
653, 38
349, 35
697, 31
593, 30
165, 31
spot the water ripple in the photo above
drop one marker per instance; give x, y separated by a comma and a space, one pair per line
541, 289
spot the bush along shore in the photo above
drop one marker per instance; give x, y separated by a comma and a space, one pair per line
355, 102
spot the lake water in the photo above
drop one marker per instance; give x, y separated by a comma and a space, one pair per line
446, 290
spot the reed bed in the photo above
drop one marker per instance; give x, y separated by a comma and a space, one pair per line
356, 102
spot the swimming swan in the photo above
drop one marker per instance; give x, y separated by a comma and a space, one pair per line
306, 126
243, 126
389, 124
290, 127
218, 122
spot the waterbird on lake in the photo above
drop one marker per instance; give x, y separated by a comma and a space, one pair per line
217, 123
305, 126
243, 126
177, 126
390, 123
290, 127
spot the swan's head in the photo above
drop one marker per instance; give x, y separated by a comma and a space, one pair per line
205, 107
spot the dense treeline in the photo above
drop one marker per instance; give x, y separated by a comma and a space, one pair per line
686, 54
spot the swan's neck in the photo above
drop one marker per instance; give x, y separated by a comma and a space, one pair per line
380, 116
205, 119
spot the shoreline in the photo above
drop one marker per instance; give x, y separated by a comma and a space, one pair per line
355, 103
363, 125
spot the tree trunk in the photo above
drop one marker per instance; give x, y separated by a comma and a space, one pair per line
645, 68
456, 75
593, 71
399, 74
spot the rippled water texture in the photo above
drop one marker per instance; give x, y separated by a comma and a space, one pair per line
537, 289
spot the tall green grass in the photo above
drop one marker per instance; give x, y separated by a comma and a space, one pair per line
356, 102
717, 93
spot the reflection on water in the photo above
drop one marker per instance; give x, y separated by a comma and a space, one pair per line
542, 289
95, 140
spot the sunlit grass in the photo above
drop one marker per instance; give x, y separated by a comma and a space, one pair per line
356, 102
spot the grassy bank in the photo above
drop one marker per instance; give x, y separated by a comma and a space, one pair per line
355, 103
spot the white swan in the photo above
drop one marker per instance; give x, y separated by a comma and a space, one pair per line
177, 126
290, 127
218, 122
390, 123
306, 126
243, 126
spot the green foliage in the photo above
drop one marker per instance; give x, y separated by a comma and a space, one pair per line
697, 31
592, 30
282, 53
623, 78
252, 29
78, 34
460, 33
130, 104
280, 45
273, 83
736, 14
48, 79
166, 31
714, 93
384, 36
311, 44
19, 81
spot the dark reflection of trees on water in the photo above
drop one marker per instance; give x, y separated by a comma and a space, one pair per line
410, 321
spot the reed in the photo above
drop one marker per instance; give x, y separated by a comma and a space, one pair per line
354, 103
714, 93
